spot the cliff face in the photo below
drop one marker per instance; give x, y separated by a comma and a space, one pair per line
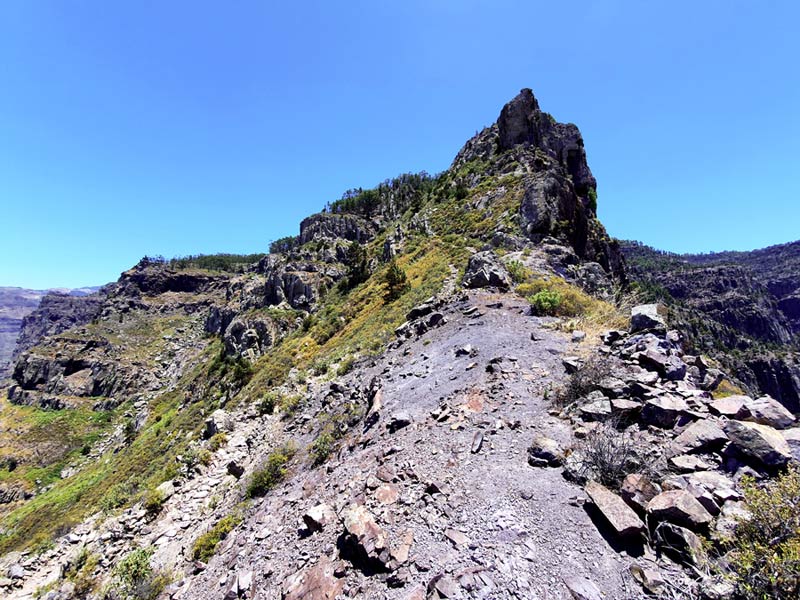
16, 304
745, 302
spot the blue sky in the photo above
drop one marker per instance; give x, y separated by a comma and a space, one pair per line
148, 127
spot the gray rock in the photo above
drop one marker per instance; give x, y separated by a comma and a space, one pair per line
679, 507
701, 435
637, 490
645, 317
619, 515
760, 442
681, 544
398, 421
318, 517
768, 411
730, 406
664, 411
545, 452
485, 270
582, 588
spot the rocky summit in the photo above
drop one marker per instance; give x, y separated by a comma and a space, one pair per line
452, 386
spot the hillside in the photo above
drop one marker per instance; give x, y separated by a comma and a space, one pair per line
741, 307
440, 388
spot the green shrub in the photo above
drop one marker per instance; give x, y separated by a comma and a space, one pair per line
272, 472
546, 302
289, 405
205, 545
217, 441
153, 501
266, 406
81, 572
118, 496
322, 447
396, 281
518, 271
135, 579
766, 547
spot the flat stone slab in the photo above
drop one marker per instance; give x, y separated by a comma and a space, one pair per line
619, 515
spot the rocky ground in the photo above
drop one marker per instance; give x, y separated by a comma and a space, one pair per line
450, 491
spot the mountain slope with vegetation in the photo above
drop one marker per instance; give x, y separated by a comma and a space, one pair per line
415, 397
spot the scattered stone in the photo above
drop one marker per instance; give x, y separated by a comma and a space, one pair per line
578, 336
599, 410
637, 490
767, 411
468, 350
730, 406
485, 270
387, 494
664, 411
315, 583
619, 515
681, 543
364, 532
649, 578
686, 463
545, 452
445, 586
701, 435
398, 421
457, 537
571, 364
582, 588
477, 442
318, 517
166, 490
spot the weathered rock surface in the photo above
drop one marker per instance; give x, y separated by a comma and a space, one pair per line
619, 515
486, 270
759, 442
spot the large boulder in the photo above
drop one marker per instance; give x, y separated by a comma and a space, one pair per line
679, 507
664, 411
486, 270
767, 411
700, 436
646, 317
759, 442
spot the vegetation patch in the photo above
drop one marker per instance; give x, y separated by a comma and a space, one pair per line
272, 472
765, 552
205, 545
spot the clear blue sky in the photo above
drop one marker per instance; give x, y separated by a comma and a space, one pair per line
149, 127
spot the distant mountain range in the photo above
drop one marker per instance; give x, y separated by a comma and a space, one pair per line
15, 304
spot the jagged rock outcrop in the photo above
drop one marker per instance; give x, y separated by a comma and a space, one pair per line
559, 191
324, 226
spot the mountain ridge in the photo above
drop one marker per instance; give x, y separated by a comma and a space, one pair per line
398, 402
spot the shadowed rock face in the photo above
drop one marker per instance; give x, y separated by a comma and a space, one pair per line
559, 198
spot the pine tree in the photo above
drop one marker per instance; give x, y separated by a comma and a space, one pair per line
396, 281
